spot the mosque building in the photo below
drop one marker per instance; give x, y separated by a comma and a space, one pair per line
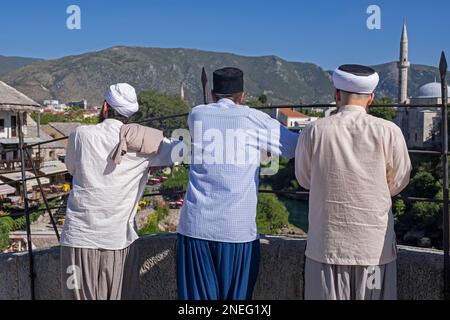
419, 125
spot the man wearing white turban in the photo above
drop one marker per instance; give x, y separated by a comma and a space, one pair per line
353, 164
123, 99
99, 259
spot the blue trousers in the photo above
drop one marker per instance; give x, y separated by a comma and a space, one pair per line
208, 270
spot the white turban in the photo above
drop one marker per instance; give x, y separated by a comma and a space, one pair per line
123, 99
355, 79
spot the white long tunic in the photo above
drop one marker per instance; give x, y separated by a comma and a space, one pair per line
352, 163
103, 202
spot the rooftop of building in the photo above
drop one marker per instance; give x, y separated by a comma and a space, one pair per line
290, 113
13, 100
65, 128
431, 90
42, 136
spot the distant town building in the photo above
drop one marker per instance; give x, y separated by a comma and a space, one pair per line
78, 104
54, 105
293, 119
12, 105
46, 103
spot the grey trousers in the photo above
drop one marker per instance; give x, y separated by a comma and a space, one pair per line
334, 282
90, 274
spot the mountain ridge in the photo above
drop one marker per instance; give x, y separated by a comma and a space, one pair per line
10, 63
86, 76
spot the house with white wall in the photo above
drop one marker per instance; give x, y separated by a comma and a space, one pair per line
293, 119
12, 105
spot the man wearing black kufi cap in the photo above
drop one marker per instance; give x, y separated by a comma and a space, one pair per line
353, 164
218, 244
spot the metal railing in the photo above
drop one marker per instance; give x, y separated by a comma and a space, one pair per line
25, 155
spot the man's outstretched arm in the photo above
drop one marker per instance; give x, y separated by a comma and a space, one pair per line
165, 155
279, 140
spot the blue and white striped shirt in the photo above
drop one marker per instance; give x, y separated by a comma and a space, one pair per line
227, 142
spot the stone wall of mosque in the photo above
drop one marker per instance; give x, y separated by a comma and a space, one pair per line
281, 273
420, 127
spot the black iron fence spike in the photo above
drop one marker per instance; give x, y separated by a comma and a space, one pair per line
204, 77
443, 65
204, 84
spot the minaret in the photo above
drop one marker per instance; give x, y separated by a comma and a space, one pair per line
403, 68
182, 91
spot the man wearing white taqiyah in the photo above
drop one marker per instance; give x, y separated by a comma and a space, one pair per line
99, 259
353, 164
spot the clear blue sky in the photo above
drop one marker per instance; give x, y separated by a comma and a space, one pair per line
326, 32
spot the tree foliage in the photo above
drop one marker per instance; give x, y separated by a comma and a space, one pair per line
272, 215
386, 113
425, 216
8, 225
263, 99
399, 209
424, 184
310, 113
4, 236
285, 178
70, 115
177, 182
152, 225
156, 105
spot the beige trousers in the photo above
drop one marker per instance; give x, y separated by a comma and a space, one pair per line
92, 274
334, 282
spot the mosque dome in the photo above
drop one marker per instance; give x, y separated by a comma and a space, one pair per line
431, 90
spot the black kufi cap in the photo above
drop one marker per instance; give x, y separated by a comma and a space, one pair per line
228, 81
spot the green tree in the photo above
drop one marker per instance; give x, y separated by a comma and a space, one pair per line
285, 178
272, 215
156, 105
4, 236
386, 113
90, 121
8, 224
427, 214
152, 225
70, 115
253, 103
47, 117
399, 209
177, 182
263, 99
256, 103
309, 112
424, 184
